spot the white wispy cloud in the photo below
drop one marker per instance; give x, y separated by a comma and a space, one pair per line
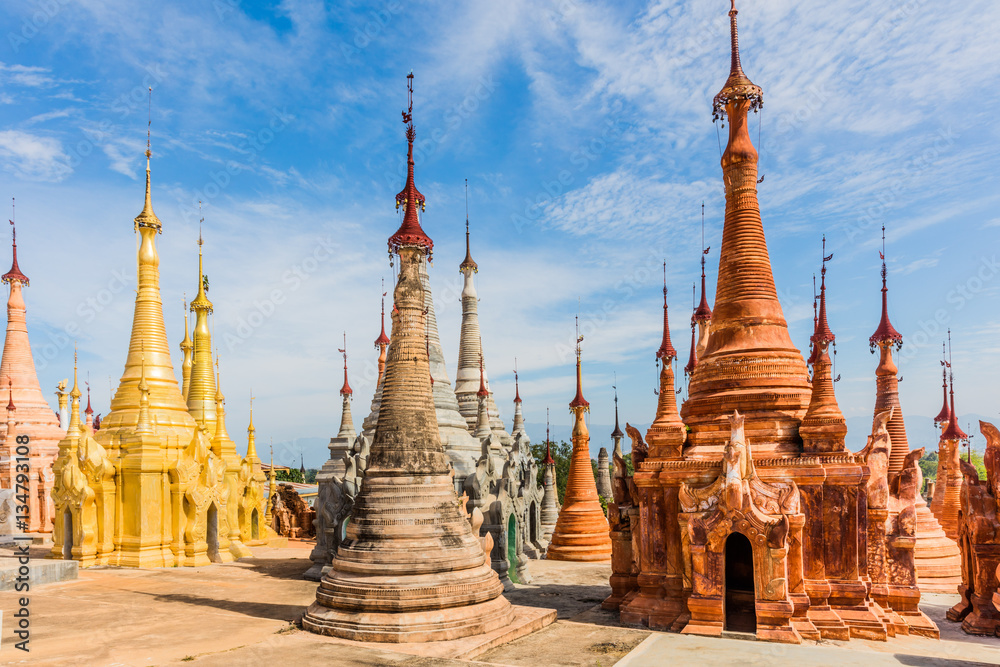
33, 157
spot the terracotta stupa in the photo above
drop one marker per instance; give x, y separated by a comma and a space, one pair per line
935, 555
28, 408
410, 568
749, 363
582, 532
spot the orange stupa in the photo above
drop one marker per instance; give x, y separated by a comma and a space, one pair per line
935, 555
31, 413
750, 364
582, 532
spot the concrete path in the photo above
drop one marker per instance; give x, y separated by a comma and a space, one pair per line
245, 614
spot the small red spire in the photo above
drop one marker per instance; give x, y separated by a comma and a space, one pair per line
945, 413
548, 460
617, 433
703, 313
517, 389
482, 393
693, 354
579, 401
410, 233
382, 338
823, 333
346, 389
885, 333
954, 431
10, 403
15, 270
89, 410
666, 351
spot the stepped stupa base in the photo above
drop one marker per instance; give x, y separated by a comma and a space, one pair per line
526, 620
433, 625
936, 556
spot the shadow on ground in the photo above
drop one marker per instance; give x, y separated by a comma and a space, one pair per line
272, 611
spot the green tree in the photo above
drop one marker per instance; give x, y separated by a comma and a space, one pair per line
290, 475
929, 465
561, 453
311, 475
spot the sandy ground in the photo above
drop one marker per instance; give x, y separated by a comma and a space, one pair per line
245, 614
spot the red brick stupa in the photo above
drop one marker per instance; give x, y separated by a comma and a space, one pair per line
410, 568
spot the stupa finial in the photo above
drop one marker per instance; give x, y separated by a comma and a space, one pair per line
410, 234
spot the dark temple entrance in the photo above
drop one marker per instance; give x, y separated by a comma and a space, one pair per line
741, 615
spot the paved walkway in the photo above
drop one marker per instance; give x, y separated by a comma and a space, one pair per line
244, 614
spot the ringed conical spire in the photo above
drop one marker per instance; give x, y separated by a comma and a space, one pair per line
945, 414
750, 363
410, 233
886, 380
202, 385
148, 348
410, 568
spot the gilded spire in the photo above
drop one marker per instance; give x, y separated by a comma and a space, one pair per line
74, 418
579, 402
187, 351
221, 434
166, 404
202, 386
410, 233
147, 218
251, 433
15, 270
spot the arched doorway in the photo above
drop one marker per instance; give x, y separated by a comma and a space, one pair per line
512, 548
254, 525
68, 535
740, 610
212, 536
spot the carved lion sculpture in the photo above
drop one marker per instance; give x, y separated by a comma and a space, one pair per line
639, 448
991, 460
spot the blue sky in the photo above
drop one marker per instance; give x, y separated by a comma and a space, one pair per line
584, 129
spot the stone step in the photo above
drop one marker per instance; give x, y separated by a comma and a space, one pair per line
41, 571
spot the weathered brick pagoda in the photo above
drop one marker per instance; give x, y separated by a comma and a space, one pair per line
935, 554
979, 540
410, 568
751, 514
